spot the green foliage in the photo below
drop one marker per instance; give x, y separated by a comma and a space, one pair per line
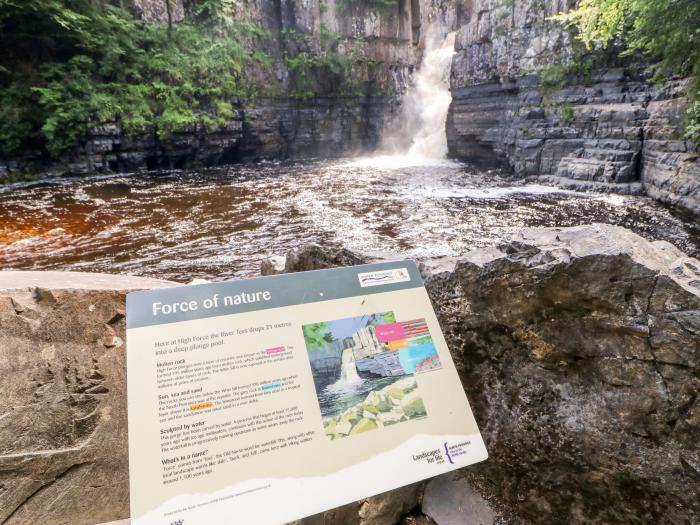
558, 76
599, 22
566, 113
316, 335
332, 63
665, 30
220, 13
83, 66
692, 124
383, 318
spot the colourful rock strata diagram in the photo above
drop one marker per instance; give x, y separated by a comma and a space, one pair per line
412, 340
429, 363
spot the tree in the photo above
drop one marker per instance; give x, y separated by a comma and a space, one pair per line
68, 65
168, 10
316, 335
667, 31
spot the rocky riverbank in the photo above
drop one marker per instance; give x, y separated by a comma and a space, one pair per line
578, 349
524, 93
274, 129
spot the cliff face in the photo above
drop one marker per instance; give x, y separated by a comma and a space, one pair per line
299, 108
522, 91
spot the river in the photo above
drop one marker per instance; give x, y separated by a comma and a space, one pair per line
406, 201
220, 223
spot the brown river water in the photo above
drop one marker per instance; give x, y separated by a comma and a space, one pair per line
221, 223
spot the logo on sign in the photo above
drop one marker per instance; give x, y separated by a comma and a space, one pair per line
397, 275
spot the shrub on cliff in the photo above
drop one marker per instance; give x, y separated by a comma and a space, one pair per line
666, 30
69, 65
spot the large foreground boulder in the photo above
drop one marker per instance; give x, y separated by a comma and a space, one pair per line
63, 446
578, 349
63, 410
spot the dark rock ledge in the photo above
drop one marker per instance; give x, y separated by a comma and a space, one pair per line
579, 349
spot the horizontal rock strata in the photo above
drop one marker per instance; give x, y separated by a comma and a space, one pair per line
521, 91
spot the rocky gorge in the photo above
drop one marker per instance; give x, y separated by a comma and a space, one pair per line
524, 96
302, 107
577, 347
523, 89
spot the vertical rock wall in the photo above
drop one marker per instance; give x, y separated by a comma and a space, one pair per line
156, 11
597, 122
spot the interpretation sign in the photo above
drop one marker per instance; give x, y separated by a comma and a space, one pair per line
270, 399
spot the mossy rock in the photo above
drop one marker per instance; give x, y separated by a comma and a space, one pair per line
391, 418
395, 393
379, 400
352, 415
368, 415
343, 428
329, 427
370, 408
363, 426
413, 406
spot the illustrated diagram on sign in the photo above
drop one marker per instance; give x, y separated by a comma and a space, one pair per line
364, 371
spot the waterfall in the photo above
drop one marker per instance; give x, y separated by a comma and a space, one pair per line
418, 138
428, 101
348, 370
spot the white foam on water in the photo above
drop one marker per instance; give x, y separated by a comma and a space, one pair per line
393, 162
419, 139
496, 192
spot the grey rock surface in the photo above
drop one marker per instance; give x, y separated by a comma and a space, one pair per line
156, 11
450, 500
599, 122
63, 450
27, 280
579, 350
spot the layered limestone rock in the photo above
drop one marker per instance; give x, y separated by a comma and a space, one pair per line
598, 122
579, 349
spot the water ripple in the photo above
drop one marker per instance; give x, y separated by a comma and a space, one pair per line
220, 223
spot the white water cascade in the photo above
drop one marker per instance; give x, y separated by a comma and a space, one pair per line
430, 100
419, 138
348, 370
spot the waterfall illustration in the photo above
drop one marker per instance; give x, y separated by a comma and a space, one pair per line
418, 137
426, 103
348, 370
